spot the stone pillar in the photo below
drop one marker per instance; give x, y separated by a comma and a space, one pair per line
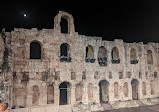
85, 93
56, 95
73, 97
29, 100
43, 94
69, 95
96, 94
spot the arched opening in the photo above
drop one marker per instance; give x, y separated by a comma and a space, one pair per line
115, 90
90, 54
149, 57
50, 94
64, 25
104, 91
152, 86
125, 89
79, 92
64, 21
35, 50
128, 74
65, 93
35, 95
102, 56
120, 75
84, 75
133, 56
20, 97
155, 75
115, 55
64, 52
134, 84
89, 51
143, 88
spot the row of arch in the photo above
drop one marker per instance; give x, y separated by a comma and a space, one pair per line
35, 53
104, 90
65, 91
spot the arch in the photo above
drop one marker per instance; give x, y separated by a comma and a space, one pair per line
19, 95
133, 55
143, 88
155, 74
116, 90
50, 94
102, 52
65, 93
152, 87
65, 84
64, 50
79, 92
35, 95
89, 52
120, 75
102, 56
35, 50
90, 91
140, 74
125, 89
84, 75
115, 53
128, 74
64, 25
149, 57
104, 91
69, 19
134, 84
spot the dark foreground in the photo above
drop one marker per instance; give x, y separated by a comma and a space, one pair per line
154, 108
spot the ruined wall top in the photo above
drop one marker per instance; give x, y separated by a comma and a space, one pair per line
71, 30
69, 19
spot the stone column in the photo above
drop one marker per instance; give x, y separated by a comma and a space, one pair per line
85, 93
73, 97
56, 95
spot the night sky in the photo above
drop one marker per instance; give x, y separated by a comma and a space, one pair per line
131, 21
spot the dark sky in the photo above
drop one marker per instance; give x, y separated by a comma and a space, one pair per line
131, 21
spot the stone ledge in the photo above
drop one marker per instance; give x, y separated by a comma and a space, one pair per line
123, 104
52, 108
150, 101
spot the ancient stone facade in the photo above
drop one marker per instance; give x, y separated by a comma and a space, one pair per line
50, 70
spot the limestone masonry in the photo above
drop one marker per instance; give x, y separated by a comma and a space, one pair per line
53, 71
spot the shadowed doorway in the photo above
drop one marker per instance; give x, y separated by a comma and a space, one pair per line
65, 88
104, 91
134, 84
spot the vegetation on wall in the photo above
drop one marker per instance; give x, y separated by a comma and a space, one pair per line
5, 66
1, 88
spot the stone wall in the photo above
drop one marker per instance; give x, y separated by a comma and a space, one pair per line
89, 70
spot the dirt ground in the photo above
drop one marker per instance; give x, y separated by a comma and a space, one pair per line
153, 108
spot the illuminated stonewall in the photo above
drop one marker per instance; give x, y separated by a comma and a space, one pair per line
58, 70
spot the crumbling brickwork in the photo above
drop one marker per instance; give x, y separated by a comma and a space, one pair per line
52, 69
